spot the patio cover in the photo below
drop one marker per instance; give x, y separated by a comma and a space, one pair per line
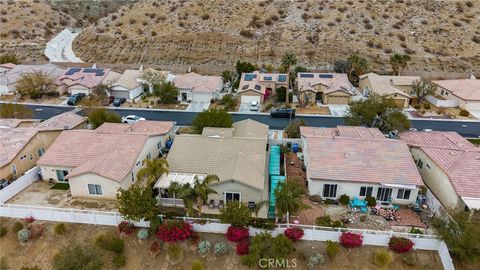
400, 186
181, 178
472, 203
274, 167
275, 180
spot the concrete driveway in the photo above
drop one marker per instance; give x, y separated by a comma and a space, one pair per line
198, 106
245, 108
338, 109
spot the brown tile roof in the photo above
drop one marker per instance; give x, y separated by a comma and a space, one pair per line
12, 141
110, 155
343, 131
149, 128
66, 120
456, 156
337, 82
258, 81
198, 83
467, 89
386, 85
128, 79
13, 122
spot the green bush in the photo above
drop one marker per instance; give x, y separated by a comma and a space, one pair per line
409, 259
204, 247
417, 106
174, 253
315, 260
60, 228
426, 106
77, 257
17, 227
4, 263
325, 221
382, 258
119, 260
220, 249
316, 198
464, 113
236, 213
263, 246
262, 223
344, 199
332, 249
416, 231
371, 201
110, 243
3, 231
23, 235
197, 265
154, 223
143, 234
230, 102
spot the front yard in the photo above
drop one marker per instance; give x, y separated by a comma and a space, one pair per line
152, 103
311, 109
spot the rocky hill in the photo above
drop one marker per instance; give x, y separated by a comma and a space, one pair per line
212, 35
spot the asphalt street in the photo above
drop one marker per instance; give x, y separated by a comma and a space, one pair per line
465, 128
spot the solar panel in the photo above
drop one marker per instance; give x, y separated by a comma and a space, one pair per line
72, 71
89, 70
257, 87
249, 77
99, 72
267, 78
325, 76
282, 78
306, 75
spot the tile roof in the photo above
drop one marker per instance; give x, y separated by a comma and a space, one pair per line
13, 122
128, 79
386, 85
146, 127
13, 75
257, 81
12, 141
467, 89
88, 77
343, 131
8, 65
66, 120
455, 155
334, 82
250, 128
111, 155
198, 83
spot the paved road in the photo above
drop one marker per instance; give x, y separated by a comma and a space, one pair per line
465, 128
59, 49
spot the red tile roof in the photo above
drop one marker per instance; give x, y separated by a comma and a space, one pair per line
342, 131
150, 128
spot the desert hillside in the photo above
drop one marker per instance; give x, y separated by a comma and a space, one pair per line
212, 35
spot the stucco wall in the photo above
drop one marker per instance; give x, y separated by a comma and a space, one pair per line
79, 186
463, 104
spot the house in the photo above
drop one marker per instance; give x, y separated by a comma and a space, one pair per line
449, 165
193, 87
237, 155
127, 86
259, 87
96, 163
4, 68
400, 88
327, 88
167, 76
23, 142
8, 81
83, 80
466, 92
359, 162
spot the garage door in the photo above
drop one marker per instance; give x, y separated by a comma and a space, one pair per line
120, 94
80, 91
337, 100
201, 97
400, 103
250, 99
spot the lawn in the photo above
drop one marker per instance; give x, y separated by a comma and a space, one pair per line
61, 186
475, 141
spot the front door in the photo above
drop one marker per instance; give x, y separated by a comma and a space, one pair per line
384, 194
61, 175
319, 96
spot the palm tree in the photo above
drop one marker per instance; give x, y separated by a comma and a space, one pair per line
288, 60
357, 64
202, 190
288, 198
399, 62
153, 170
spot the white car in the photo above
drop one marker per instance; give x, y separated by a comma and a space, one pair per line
427, 130
254, 106
130, 119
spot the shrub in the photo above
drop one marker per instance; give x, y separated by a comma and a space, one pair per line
426, 106
242, 247
371, 201
281, 246
174, 253
262, 223
172, 231
415, 231
236, 213
417, 106
194, 238
77, 257
205, 16
344, 199
464, 113
400, 244
332, 249
351, 240
382, 258
204, 247
3, 231
246, 33
315, 260
36, 230
316, 198
60, 228
323, 221
119, 260
52, 94
197, 265
143, 234
4, 263
237, 234
29, 219
220, 249
110, 243
155, 247
35, 267
17, 227
125, 227
294, 233
23, 235
154, 223
409, 259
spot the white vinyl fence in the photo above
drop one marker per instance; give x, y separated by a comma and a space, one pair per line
448, 103
18, 185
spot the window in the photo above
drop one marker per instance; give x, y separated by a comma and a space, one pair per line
403, 194
420, 163
94, 189
232, 196
384, 194
428, 166
31, 156
329, 191
133, 177
159, 145
443, 92
14, 169
366, 191
40, 152
149, 156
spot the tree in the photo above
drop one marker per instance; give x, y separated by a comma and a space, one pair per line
399, 62
166, 91
153, 169
264, 246
230, 102
227, 76
288, 60
212, 118
35, 84
152, 77
236, 213
288, 198
9, 58
12, 110
97, 117
97, 97
77, 257
194, 194
244, 67
202, 190
377, 111
422, 89
281, 94
137, 203
293, 75
356, 66
293, 129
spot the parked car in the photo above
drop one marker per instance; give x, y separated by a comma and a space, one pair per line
109, 100
75, 98
427, 130
283, 113
119, 101
412, 129
130, 119
3, 184
254, 106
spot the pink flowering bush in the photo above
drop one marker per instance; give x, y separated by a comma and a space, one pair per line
351, 240
400, 244
243, 247
125, 227
237, 234
294, 233
172, 231
29, 219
